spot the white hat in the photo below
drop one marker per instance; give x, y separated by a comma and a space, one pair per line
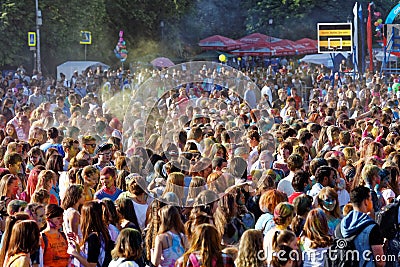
388, 193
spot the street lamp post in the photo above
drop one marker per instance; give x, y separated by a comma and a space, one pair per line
270, 22
38, 24
162, 35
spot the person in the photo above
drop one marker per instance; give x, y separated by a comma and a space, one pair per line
227, 219
126, 214
204, 208
205, 248
171, 241
284, 259
35, 158
268, 201
283, 215
295, 163
301, 183
104, 153
55, 242
138, 196
95, 245
128, 249
37, 213
108, 189
52, 135
328, 201
90, 175
23, 242
73, 200
250, 244
46, 181
324, 176
316, 238
10, 221
358, 222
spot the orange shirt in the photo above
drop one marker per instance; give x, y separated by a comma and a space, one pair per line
55, 253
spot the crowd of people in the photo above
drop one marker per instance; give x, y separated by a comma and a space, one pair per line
208, 166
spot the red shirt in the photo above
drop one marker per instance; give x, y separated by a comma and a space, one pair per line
293, 196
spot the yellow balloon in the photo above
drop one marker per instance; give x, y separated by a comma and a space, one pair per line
222, 58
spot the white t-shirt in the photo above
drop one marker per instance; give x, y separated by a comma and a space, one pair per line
121, 263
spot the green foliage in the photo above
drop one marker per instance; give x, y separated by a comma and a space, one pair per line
185, 23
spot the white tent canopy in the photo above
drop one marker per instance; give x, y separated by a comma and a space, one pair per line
69, 67
380, 56
324, 59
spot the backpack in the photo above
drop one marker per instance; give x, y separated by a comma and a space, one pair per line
388, 218
339, 254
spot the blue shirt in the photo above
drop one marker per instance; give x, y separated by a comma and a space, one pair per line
101, 194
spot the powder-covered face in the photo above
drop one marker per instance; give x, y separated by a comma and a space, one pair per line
39, 217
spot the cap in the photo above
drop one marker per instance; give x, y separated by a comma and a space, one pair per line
104, 147
388, 193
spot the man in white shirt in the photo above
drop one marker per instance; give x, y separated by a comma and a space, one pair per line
295, 162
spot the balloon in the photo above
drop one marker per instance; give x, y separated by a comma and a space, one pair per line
239, 58
222, 58
379, 21
376, 23
380, 26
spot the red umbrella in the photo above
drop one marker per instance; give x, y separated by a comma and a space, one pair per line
283, 48
258, 38
162, 62
256, 49
311, 46
218, 42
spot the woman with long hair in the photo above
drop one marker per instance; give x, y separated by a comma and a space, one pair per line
205, 248
24, 241
128, 249
204, 208
197, 185
110, 216
227, 220
89, 178
126, 214
316, 238
171, 242
46, 181
55, 242
9, 187
153, 227
10, 222
328, 201
73, 200
175, 184
11, 131
250, 244
95, 245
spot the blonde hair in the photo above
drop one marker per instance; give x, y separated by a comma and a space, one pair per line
251, 243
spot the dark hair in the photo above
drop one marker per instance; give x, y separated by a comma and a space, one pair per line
295, 162
316, 163
322, 172
299, 179
359, 194
53, 211
52, 132
304, 136
283, 256
126, 210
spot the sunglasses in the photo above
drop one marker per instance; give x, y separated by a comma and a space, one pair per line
92, 145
